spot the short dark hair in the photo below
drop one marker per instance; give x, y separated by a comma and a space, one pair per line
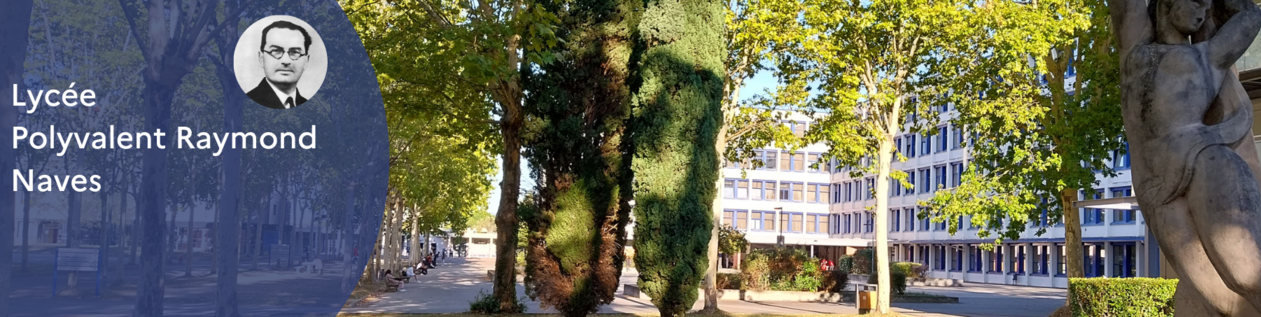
286, 25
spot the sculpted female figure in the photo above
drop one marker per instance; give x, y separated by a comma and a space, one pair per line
1188, 121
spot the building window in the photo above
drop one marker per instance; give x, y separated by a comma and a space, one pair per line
958, 260
845, 228
768, 158
817, 193
942, 136
910, 178
792, 191
1092, 216
1121, 158
941, 257
910, 219
956, 171
941, 177
811, 162
897, 146
849, 191
799, 162
1122, 216
1061, 266
996, 259
896, 187
910, 145
871, 188
924, 224
897, 220
925, 181
736, 189
926, 145
869, 224
958, 137
974, 258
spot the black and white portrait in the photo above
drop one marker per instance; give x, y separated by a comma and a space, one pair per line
280, 62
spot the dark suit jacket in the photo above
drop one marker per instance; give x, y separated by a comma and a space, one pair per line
264, 95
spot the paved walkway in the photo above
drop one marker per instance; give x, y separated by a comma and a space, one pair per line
449, 289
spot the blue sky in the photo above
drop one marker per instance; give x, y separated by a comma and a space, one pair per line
752, 86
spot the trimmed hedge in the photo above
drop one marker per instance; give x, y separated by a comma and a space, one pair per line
1121, 296
897, 278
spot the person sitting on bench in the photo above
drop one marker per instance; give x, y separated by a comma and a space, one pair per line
391, 280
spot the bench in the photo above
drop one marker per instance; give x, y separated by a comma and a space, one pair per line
391, 287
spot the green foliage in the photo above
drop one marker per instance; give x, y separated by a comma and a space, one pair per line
862, 262
577, 112
729, 281
781, 269
1038, 138
910, 269
834, 281
677, 98
897, 278
1121, 296
487, 304
845, 264
731, 241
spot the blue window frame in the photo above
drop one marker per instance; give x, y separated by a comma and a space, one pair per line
817, 193
958, 137
910, 145
1121, 158
735, 189
924, 224
941, 257
871, 188
897, 220
1092, 216
941, 177
941, 226
849, 191
926, 145
896, 187
910, 219
1122, 216
925, 181
869, 226
974, 258
996, 259
910, 178
942, 136
897, 145
792, 191
769, 159
958, 260
956, 174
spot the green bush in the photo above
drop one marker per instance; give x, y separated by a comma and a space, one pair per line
729, 281
781, 269
834, 281
898, 279
845, 264
862, 262
1121, 296
909, 269
486, 304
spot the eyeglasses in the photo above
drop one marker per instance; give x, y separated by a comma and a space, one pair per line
294, 53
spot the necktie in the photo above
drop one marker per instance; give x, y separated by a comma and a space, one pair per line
288, 102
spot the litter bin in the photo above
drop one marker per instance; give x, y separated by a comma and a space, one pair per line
866, 301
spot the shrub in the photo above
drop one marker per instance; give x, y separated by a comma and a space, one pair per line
909, 269
729, 281
486, 304
898, 279
780, 269
845, 264
1121, 296
834, 281
862, 262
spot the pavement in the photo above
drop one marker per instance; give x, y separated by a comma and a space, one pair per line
450, 287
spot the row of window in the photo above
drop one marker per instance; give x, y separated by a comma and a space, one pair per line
775, 160
1124, 259
945, 138
924, 180
762, 220
770, 190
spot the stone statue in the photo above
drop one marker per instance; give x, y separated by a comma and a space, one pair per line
1189, 124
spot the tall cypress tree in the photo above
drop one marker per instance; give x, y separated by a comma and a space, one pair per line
676, 117
578, 115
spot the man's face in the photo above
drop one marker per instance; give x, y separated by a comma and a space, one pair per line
1187, 16
283, 70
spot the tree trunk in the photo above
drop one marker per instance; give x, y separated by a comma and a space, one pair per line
15, 16
72, 221
122, 213
884, 281
711, 274
106, 223
415, 239
159, 94
1072, 236
262, 219
505, 287
134, 240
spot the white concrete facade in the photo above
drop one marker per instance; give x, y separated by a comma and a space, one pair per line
1116, 241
